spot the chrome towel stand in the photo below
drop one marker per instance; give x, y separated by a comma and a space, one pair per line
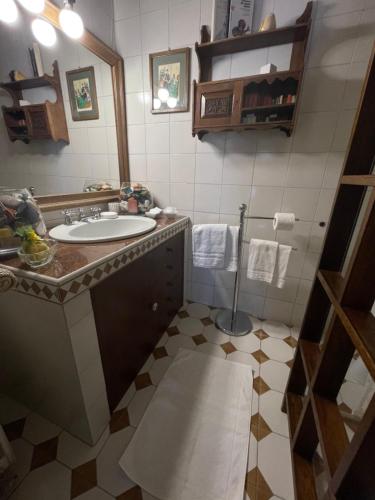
234, 322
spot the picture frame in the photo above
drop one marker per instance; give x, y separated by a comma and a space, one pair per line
82, 94
170, 81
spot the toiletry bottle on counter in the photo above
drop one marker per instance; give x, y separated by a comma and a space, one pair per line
132, 206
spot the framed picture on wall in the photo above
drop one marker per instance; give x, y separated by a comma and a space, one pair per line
170, 81
82, 94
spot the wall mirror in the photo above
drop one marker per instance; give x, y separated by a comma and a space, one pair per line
97, 148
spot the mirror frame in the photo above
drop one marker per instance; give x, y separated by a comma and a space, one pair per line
113, 59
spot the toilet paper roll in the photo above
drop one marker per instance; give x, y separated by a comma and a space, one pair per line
283, 221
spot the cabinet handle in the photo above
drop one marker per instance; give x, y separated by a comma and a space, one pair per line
155, 306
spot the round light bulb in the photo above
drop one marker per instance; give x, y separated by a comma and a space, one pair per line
34, 6
8, 11
71, 22
172, 102
157, 103
163, 94
44, 32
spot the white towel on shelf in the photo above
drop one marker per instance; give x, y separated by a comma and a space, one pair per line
262, 260
281, 265
209, 245
231, 252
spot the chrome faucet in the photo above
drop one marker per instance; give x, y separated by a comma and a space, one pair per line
67, 217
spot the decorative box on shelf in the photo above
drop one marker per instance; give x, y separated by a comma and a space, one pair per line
263, 101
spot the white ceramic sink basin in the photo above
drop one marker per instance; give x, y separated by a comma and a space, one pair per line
125, 226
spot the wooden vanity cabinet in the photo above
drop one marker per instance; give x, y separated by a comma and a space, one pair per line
132, 309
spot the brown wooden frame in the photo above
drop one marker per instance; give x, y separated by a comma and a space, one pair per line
109, 56
187, 52
88, 115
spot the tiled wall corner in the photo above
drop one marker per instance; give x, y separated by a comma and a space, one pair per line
207, 180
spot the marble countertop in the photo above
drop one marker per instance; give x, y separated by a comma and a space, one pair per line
73, 259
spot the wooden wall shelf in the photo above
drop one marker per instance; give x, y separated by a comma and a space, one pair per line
36, 121
264, 101
338, 322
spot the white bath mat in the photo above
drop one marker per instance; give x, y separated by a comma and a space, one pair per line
192, 443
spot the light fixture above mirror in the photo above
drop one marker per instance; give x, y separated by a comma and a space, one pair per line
71, 23
8, 11
44, 32
34, 6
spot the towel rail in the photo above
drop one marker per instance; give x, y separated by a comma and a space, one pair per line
235, 322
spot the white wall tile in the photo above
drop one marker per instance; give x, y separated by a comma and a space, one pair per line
125, 8
314, 132
232, 197
265, 201
302, 202
150, 5
128, 36
181, 138
138, 167
209, 168
238, 169
184, 23
270, 169
183, 168
306, 170
157, 138
182, 196
335, 162
323, 88
158, 167
137, 139
133, 74
248, 63
97, 139
155, 39
207, 198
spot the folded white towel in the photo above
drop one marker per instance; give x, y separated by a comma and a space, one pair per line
262, 260
209, 245
281, 266
231, 252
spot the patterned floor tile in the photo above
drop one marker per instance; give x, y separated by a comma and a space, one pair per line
261, 334
248, 343
190, 326
228, 347
110, 476
14, 430
119, 420
74, 452
277, 350
211, 349
215, 336
242, 357
142, 380
38, 430
207, 321
260, 356
291, 341
259, 427
260, 386
160, 352
44, 453
84, 478
198, 311
132, 494
172, 331
199, 339
274, 462
24, 453
139, 403
276, 330
45, 483
270, 409
128, 396
275, 374
95, 494
145, 368
163, 340
159, 368
174, 344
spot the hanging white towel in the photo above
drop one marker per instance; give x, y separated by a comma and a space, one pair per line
262, 260
209, 245
281, 265
231, 252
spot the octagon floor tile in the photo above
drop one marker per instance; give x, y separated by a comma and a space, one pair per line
277, 349
275, 374
198, 311
190, 326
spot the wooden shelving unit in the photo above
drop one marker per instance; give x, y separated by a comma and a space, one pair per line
224, 105
338, 322
36, 121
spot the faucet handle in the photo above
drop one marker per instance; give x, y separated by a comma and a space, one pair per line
68, 216
96, 212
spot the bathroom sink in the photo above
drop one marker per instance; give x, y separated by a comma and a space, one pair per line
125, 226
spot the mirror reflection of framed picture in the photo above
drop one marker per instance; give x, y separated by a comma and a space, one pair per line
170, 81
82, 94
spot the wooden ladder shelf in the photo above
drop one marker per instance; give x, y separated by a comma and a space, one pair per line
338, 322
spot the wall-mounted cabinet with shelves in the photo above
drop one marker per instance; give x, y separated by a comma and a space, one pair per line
264, 101
36, 121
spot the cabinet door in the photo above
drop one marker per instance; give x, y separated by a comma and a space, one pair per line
216, 104
37, 122
132, 309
